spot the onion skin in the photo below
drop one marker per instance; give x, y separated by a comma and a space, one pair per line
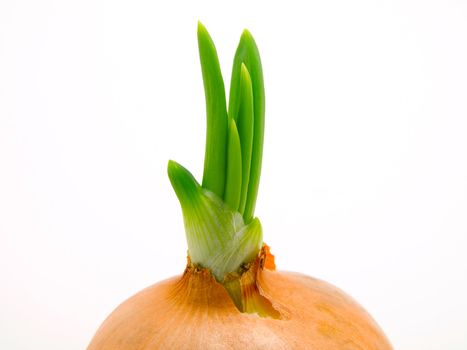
194, 312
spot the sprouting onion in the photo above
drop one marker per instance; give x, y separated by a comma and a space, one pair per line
230, 295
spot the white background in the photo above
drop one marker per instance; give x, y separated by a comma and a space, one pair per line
365, 166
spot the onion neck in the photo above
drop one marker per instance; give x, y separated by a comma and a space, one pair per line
218, 238
245, 288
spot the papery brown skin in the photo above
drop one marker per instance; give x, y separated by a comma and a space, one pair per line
194, 312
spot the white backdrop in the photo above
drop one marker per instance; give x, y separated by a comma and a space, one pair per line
365, 166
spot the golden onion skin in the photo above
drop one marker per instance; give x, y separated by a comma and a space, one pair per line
194, 312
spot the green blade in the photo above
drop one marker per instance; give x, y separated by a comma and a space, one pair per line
247, 53
245, 131
216, 115
233, 184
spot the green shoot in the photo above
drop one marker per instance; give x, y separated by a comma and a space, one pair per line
245, 130
233, 184
248, 54
219, 225
216, 115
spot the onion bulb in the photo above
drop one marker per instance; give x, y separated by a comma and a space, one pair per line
230, 295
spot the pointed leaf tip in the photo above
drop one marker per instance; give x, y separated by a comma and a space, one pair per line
201, 27
184, 184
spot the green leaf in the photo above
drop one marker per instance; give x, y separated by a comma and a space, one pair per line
245, 131
216, 115
233, 184
247, 53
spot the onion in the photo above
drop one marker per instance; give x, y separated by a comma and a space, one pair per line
230, 295
193, 311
